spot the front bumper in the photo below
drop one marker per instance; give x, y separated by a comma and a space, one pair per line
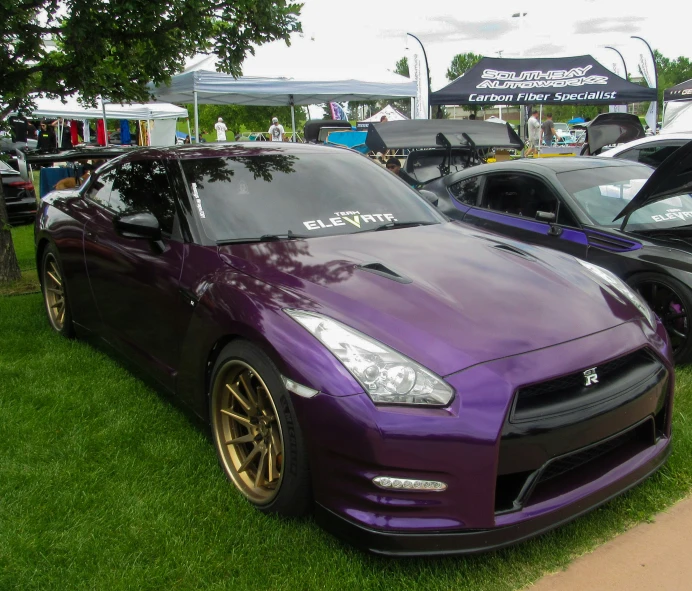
442, 543
470, 448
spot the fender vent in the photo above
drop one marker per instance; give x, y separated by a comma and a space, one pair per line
384, 271
612, 243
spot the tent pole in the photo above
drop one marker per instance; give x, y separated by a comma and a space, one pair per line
196, 118
189, 133
293, 119
105, 124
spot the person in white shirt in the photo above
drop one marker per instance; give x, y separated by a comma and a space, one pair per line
534, 134
276, 131
221, 130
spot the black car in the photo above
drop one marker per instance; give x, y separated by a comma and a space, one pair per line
20, 197
620, 215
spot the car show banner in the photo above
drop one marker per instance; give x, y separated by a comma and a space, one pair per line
646, 64
337, 112
569, 80
418, 70
679, 92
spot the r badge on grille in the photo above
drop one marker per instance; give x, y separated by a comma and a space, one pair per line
590, 377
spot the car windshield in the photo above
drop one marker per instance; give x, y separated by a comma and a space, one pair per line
602, 193
305, 194
562, 126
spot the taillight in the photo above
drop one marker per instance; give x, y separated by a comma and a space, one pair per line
26, 185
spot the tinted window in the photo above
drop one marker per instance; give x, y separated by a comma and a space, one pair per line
654, 155
522, 195
100, 189
143, 185
466, 191
310, 193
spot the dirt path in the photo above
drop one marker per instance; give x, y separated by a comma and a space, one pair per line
650, 557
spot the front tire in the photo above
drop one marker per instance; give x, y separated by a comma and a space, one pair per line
55, 292
671, 300
256, 432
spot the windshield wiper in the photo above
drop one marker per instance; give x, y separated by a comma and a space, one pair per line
393, 225
264, 238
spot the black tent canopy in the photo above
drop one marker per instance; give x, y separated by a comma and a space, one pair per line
679, 92
563, 80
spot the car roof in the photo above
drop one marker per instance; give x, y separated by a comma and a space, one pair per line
245, 149
651, 139
555, 164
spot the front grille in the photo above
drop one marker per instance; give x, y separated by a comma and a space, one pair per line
514, 491
567, 393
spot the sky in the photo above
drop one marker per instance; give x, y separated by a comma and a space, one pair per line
354, 32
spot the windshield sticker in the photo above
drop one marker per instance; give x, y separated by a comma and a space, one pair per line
198, 201
672, 215
243, 189
354, 218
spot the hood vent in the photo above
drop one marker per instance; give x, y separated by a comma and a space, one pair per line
384, 271
515, 251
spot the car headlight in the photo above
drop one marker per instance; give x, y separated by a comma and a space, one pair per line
387, 376
624, 289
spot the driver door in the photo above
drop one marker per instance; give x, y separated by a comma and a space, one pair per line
135, 280
522, 206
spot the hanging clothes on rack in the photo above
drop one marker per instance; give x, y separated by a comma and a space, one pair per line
100, 133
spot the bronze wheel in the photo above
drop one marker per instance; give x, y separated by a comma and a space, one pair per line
248, 432
256, 432
55, 293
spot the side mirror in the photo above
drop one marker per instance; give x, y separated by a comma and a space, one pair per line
545, 216
430, 197
138, 225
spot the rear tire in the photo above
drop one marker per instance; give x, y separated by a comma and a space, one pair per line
54, 290
671, 300
256, 432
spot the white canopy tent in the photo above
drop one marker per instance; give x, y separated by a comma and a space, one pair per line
390, 112
281, 85
164, 113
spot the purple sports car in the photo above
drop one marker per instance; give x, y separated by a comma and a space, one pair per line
426, 387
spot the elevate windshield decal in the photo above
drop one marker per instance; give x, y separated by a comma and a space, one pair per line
672, 214
355, 218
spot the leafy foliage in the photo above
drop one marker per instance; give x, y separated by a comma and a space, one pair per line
462, 63
101, 47
240, 118
671, 72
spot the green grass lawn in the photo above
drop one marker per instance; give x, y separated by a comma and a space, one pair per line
106, 485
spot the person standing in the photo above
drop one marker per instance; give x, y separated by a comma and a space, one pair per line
276, 131
534, 134
46, 138
548, 130
221, 130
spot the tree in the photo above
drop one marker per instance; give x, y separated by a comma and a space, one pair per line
113, 49
239, 118
462, 63
404, 105
671, 72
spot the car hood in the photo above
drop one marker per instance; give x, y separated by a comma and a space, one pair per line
448, 296
672, 177
612, 128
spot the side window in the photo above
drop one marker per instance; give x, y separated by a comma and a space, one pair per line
655, 155
521, 195
100, 189
632, 155
143, 185
466, 191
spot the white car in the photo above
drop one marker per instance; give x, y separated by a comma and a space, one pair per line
649, 150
